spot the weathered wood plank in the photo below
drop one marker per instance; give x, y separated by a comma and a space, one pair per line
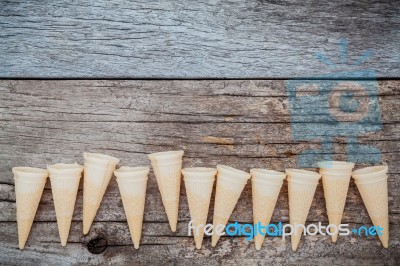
163, 101
169, 249
111, 207
195, 39
240, 123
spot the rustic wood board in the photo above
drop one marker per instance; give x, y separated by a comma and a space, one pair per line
195, 39
243, 123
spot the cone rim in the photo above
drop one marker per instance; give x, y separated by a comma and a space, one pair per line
110, 167
307, 174
308, 182
165, 155
127, 173
30, 174
59, 169
99, 157
155, 164
29, 170
228, 170
336, 165
267, 175
192, 173
198, 180
342, 175
330, 171
366, 172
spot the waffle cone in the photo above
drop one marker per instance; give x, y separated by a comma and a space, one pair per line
134, 209
372, 184
93, 192
29, 185
230, 184
97, 174
64, 195
335, 179
167, 169
199, 183
266, 185
335, 192
64, 185
132, 182
301, 185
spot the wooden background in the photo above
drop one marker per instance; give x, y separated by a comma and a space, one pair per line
157, 82
193, 38
245, 124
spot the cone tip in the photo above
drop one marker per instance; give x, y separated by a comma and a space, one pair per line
64, 238
198, 245
136, 245
86, 225
172, 225
295, 244
334, 238
258, 247
214, 240
85, 230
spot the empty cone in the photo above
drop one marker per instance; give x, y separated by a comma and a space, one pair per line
301, 185
98, 171
335, 179
199, 182
372, 184
230, 184
167, 169
266, 185
132, 182
64, 180
29, 185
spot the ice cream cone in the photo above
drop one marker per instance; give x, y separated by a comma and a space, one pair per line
64, 180
98, 171
335, 179
199, 182
266, 185
230, 184
301, 185
29, 185
167, 169
372, 184
132, 182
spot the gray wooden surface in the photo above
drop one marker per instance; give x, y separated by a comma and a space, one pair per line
241, 123
195, 39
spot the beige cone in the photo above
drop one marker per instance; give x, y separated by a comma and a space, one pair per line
64, 180
132, 183
199, 182
372, 184
29, 185
98, 171
301, 185
335, 179
266, 185
167, 169
230, 184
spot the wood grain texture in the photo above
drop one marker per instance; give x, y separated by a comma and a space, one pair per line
195, 39
243, 123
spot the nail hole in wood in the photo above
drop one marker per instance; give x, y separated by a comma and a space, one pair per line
97, 245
